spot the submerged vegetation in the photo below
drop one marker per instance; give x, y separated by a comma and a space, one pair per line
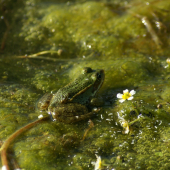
45, 44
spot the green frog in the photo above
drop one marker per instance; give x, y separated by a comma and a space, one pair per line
71, 103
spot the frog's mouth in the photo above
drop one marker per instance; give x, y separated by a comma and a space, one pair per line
99, 81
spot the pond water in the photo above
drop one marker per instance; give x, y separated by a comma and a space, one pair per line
44, 45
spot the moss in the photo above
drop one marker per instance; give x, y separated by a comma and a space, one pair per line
98, 34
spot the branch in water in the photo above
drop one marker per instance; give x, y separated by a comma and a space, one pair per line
13, 137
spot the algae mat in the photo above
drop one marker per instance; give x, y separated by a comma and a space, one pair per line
45, 45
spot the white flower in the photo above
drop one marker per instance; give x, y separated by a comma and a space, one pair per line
98, 163
4, 167
126, 95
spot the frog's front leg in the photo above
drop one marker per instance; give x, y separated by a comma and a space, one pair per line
71, 112
44, 101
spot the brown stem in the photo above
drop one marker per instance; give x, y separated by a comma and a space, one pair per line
91, 125
11, 138
5, 34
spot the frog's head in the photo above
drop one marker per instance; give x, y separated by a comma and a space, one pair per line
95, 79
86, 85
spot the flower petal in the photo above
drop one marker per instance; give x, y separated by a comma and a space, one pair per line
132, 92
125, 91
119, 95
127, 129
130, 98
98, 163
121, 100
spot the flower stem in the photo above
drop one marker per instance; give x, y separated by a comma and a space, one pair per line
139, 119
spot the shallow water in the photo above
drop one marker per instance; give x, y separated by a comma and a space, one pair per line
129, 40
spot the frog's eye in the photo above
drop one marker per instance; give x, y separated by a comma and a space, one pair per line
87, 70
99, 76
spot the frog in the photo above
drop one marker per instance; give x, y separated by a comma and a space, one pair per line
68, 105
71, 103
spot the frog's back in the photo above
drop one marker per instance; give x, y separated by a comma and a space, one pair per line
81, 90
77, 91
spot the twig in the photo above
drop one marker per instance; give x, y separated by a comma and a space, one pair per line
150, 29
11, 138
91, 125
5, 34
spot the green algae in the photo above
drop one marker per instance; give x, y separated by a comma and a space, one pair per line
107, 35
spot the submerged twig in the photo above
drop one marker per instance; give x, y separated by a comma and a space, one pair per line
39, 56
5, 34
11, 138
42, 53
91, 125
39, 53
46, 58
150, 29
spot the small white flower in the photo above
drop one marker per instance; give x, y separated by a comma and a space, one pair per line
98, 163
126, 95
4, 167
